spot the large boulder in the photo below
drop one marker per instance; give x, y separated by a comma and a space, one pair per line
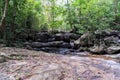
27, 34
113, 50
3, 57
97, 49
112, 40
102, 33
2, 45
106, 32
56, 36
44, 37
84, 40
66, 37
115, 32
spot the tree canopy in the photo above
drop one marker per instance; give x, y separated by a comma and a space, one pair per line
78, 15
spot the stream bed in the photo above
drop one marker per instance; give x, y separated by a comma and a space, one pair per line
39, 65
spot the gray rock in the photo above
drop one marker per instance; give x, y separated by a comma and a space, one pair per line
106, 32
112, 40
51, 44
2, 54
97, 49
44, 37
2, 45
6, 77
84, 40
113, 49
2, 59
66, 37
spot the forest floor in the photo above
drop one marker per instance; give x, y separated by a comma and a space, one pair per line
22, 64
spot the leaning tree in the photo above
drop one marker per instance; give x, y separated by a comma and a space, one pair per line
2, 22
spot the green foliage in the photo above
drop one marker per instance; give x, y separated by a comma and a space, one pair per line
84, 15
92, 14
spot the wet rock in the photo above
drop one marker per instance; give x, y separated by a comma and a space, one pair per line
2, 59
103, 33
85, 42
1, 41
44, 37
29, 47
82, 49
48, 44
3, 54
50, 39
56, 36
26, 43
66, 45
2, 45
56, 50
51, 44
114, 56
97, 49
66, 37
106, 32
115, 32
113, 50
112, 40
26, 35
82, 53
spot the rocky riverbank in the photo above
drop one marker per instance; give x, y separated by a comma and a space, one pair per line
82, 61
98, 42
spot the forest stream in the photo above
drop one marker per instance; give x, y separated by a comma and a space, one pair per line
63, 56
59, 39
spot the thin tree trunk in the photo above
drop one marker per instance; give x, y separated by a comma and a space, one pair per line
13, 20
116, 9
69, 16
2, 22
69, 13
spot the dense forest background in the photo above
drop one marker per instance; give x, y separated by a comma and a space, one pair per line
17, 16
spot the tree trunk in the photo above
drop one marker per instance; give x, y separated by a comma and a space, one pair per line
69, 17
2, 22
116, 9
